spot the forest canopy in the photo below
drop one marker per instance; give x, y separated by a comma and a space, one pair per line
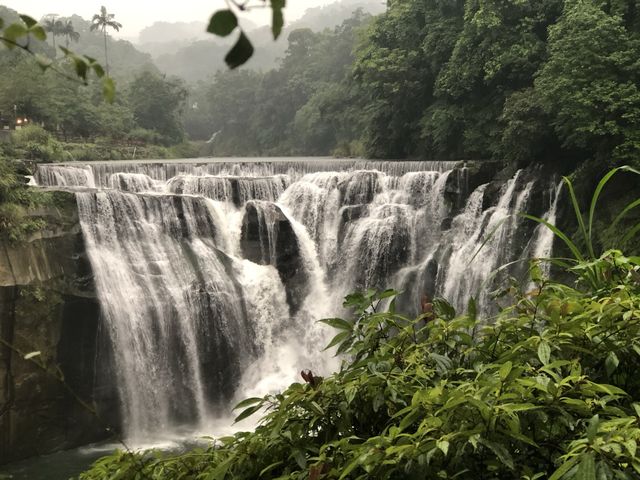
432, 79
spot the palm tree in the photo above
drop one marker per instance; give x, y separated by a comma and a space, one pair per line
54, 27
69, 32
101, 21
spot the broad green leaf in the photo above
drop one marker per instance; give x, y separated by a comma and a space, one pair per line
29, 22
248, 401
631, 446
300, 458
222, 23
38, 33
270, 467
500, 451
349, 468
277, 18
505, 370
316, 408
544, 352
564, 468
339, 338
587, 467
592, 428
81, 68
108, 89
220, 471
13, 32
443, 445
338, 323
350, 392
240, 53
408, 420
247, 413
387, 293
97, 68
611, 363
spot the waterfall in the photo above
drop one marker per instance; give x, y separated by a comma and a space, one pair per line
173, 313
543, 246
212, 275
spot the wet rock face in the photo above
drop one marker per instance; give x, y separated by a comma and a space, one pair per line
48, 304
268, 238
360, 188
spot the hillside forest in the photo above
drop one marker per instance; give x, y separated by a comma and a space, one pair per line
426, 79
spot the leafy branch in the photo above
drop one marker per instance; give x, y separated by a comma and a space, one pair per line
224, 22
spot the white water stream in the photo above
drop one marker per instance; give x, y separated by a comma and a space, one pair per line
212, 276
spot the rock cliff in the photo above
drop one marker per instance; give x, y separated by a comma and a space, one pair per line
48, 305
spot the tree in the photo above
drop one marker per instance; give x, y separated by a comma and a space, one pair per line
590, 82
102, 21
69, 32
157, 102
54, 27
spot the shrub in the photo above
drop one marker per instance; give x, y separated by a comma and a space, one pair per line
186, 150
35, 143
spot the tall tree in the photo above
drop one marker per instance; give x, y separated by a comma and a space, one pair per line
102, 21
69, 32
156, 103
54, 27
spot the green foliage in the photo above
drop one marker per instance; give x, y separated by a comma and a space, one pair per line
156, 103
35, 143
588, 263
17, 202
547, 391
589, 81
304, 107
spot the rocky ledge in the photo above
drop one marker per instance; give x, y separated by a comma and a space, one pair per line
48, 305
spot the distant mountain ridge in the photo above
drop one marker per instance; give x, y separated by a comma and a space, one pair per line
184, 49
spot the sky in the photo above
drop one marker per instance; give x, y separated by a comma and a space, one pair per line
137, 14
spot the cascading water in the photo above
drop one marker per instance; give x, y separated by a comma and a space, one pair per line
211, 276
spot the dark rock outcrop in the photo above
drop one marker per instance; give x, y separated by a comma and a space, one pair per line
268, 238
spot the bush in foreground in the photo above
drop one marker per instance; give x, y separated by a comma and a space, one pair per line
547, 390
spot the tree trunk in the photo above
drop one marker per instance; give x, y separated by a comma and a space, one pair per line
106, 58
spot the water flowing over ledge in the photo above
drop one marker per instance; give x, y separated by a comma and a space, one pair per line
211, 275
99, 173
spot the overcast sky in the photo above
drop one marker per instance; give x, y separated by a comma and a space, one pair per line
137, 14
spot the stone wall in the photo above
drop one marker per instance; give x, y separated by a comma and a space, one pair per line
48, 304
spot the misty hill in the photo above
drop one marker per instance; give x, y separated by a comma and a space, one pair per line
197, 60
124, 58
166, 38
